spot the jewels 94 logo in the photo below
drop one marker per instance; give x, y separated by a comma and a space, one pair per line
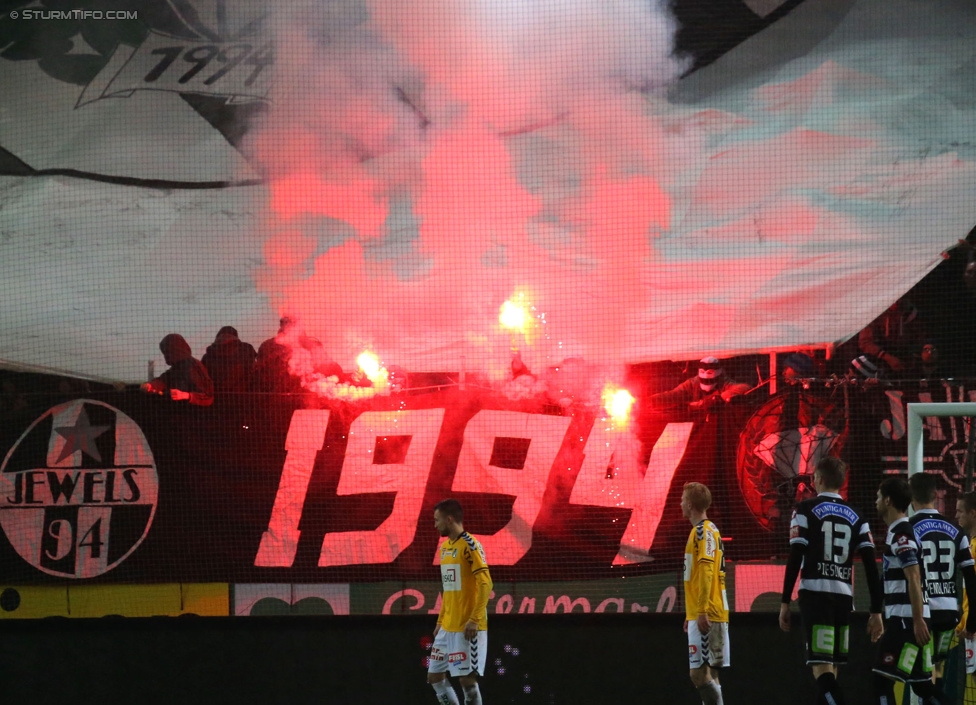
78, 491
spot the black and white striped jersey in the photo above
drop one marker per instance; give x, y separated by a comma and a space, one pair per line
901, 551
944, 549
831, 532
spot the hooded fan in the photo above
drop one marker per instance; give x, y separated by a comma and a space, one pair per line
779, 449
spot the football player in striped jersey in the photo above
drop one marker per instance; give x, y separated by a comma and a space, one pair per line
905, 649
945, 555
825, 533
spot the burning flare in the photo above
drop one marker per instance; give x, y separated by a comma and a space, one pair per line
370, 365
617, 403
513, 315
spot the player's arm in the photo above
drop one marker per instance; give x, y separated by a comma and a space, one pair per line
969, 579
703, 588
913, 579
875, 589
793, 564
798, 549
483, 585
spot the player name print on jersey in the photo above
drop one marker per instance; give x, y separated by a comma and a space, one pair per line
78, 490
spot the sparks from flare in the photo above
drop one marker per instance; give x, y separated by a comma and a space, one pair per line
617, 403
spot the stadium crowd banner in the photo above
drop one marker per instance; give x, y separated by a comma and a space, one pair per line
130, 488
122, 487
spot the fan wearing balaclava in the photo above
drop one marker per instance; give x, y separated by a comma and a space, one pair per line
711, 385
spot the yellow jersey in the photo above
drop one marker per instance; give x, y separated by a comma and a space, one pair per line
965, 598
466, 584
705, 574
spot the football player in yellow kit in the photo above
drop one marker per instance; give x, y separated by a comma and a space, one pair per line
706, 604
461, 635
966, 519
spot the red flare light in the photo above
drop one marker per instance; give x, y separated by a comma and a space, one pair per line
618, 403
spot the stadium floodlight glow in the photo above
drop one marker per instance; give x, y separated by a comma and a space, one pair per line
917, 412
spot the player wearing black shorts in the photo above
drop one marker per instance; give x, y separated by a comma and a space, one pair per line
905, 650
825, 533
945, 554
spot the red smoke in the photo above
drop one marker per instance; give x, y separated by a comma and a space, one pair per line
437, 158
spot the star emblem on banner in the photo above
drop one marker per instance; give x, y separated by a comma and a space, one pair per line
81, 437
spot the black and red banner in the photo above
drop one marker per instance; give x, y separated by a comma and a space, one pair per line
123, 487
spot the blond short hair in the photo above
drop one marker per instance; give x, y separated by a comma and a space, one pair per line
699, 496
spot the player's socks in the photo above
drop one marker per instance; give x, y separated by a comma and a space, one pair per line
472, 695
884, 688
711, 693
829, 690
445, 693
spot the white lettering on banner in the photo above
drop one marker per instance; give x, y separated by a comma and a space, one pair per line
418, 430
362, 475
894, 428
306, 434
644, 493
668, 599
59, 513
528, 483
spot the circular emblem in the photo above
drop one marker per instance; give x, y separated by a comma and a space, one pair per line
78, 490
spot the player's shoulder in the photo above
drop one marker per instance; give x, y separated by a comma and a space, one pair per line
709, 527
469, 540
805, 506
471, 544
900, 531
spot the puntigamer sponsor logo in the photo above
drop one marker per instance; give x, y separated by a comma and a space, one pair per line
78, 490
